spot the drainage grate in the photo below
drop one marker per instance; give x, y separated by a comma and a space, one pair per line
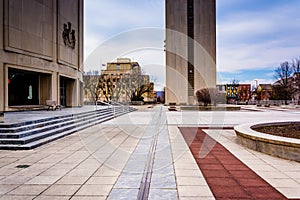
22, 166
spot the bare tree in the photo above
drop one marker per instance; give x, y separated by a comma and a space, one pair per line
106, 86
133, 86
91, 91
137, 95
283, 74
296, 65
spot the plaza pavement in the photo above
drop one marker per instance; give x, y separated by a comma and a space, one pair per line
112, 160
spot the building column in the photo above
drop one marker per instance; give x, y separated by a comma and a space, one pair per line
54, 94
2, 87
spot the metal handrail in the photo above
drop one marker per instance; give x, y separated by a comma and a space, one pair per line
108, 105
120, 104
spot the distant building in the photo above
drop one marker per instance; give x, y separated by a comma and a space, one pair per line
221, 88
264, 92
244, 92
123, 77
232, 92
159, 96
235, 92
41, 53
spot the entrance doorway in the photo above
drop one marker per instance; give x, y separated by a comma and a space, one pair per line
23, 87
28, 87
63, 90
66, 91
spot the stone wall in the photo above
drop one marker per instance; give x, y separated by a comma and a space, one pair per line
31, 39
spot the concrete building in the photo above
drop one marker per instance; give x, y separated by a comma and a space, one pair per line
232, 92
190, 49
41, 53
264, 92
244, 92
121, 78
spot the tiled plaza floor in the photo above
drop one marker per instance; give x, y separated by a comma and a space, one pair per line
108, 161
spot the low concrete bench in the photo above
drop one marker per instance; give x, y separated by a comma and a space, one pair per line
52, 104
172, 106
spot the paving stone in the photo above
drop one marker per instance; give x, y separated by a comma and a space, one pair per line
52, 197
185, 180
123, 194
94, 190
163, 194
75, 180
129, 181
48, 180
103, 180
28, 190
15, 179
107, 171
159, 181
194, 191
16, 197
88, 197
58, 190
7, 188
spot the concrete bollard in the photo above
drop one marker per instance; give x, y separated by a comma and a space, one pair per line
1, 117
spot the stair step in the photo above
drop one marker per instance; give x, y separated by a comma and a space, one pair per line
36, 136
28, 124
46, 140
28, 135
57, 124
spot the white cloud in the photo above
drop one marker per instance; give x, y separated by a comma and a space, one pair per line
259, 37
107, 20
256, 40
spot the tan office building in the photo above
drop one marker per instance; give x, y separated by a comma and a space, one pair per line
124, 77
190, 49
41, 53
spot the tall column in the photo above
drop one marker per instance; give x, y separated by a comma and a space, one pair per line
190, 49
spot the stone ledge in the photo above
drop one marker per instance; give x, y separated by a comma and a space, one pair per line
288, 148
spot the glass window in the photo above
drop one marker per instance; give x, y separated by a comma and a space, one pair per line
30, 92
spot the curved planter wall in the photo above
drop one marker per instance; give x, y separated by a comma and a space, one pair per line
283, 147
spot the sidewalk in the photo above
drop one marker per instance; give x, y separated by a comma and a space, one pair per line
110, 160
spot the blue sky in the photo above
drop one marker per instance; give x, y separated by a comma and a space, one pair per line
253, 36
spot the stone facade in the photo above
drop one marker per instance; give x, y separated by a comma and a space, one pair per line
121, 78
41, 52
190, 49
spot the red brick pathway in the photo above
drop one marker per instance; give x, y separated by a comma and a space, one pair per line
227, 176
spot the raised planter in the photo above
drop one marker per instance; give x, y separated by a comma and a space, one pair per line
283, 147
211, 108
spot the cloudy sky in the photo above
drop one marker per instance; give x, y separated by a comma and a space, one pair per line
253, 36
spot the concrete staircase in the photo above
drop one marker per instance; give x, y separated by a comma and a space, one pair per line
30, 134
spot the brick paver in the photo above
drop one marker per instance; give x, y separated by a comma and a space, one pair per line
226, 175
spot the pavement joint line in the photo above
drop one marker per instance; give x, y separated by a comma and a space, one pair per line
146, 180
90, 155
